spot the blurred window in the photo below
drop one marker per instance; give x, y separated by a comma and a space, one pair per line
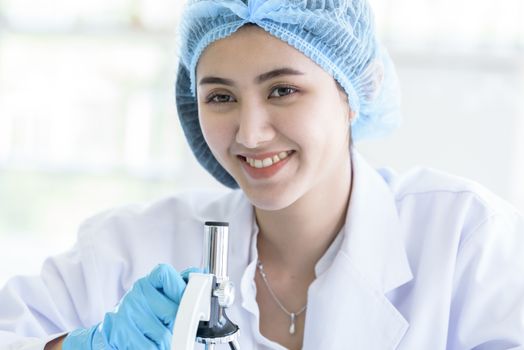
87, 113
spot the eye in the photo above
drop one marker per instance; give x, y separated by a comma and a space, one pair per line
219, 98
282, 91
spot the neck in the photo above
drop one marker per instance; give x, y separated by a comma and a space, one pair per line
296, 237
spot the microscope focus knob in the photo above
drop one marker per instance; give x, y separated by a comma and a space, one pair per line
225, 293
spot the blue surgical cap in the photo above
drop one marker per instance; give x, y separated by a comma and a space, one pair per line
338, 35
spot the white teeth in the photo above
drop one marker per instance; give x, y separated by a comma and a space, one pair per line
264, 163
267, 162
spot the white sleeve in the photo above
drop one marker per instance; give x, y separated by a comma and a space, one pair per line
68, 294
488, 301
10, 342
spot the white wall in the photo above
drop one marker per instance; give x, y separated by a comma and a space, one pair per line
463, 115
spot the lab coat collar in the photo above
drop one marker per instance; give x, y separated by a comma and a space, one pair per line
349, 298
373, 239
372, 232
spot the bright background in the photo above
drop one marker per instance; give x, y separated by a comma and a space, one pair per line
88, 121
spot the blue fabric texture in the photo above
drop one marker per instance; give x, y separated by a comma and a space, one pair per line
338, 35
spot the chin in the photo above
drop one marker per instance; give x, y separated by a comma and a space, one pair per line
269, 196
268, 201
268, 206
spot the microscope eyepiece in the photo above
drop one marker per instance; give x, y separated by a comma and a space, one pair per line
216, 240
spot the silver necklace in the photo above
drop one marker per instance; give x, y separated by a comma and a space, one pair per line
292, 315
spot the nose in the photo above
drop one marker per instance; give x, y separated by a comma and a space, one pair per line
254, 126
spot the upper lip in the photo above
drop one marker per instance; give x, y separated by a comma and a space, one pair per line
261, 156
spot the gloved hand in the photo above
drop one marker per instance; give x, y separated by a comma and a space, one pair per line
143, 319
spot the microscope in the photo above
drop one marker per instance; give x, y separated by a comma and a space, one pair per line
201, 316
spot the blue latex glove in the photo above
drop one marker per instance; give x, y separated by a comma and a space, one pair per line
143, 319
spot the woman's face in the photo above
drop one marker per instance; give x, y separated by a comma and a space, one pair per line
273, 118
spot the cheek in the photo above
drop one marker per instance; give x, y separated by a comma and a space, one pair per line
217, 133
318, 124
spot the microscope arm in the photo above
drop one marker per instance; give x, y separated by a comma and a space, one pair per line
193, 308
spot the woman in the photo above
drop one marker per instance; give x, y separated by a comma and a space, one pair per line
326, 252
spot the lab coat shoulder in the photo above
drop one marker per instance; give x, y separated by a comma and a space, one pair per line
423, 180
113, 249
469, 242
131, 240
434, 194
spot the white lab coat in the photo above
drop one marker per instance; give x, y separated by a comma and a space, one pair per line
425, 261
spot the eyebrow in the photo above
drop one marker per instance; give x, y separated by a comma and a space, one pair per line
259, 79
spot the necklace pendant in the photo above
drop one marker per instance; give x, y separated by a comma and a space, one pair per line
292, 327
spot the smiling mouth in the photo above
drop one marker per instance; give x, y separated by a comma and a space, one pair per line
266, 162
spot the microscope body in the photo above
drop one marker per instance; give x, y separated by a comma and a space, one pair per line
201, 317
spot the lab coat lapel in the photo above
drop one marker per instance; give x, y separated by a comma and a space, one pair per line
347, 306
